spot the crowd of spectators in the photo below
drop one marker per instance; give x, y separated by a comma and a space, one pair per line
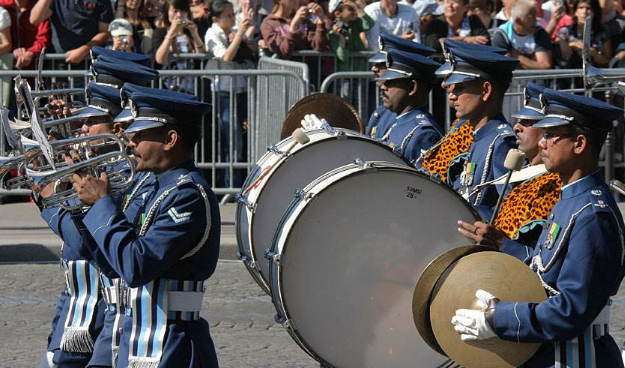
542, 35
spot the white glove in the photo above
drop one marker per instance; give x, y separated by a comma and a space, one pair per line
471, 324
311, 122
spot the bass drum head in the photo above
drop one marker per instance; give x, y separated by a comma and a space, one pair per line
350, 257
303, 166
338, 112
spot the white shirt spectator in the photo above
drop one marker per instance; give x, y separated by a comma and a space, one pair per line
405, 20
217, 43
5, 19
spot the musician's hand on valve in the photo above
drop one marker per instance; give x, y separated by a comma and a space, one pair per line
474, 324
482, 233
90, 189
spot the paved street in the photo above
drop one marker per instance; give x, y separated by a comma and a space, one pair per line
241, 317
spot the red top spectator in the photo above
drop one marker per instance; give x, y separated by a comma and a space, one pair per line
28, 40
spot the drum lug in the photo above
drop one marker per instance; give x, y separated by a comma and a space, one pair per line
243, 200
274, 149
290, 325
254, 266
367, 166
272, 256
339, 134
302, 195
243, 257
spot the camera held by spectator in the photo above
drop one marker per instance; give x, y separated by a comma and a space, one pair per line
122, 33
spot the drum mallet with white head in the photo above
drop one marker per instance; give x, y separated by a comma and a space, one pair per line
514, 162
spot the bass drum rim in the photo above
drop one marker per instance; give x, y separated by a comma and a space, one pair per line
341, 134
278, 300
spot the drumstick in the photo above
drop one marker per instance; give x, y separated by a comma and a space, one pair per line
514, 162
298, 137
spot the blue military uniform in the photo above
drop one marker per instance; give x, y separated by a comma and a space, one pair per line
484, 160
578, 258
414, 131
82, 269
164, 246
382, 119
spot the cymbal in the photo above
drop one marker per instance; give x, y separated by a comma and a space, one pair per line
338, 112
503, 276
425, 286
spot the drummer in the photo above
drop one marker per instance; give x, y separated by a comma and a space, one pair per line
474, 149
578, 257
382, 119
405, 86
525, 209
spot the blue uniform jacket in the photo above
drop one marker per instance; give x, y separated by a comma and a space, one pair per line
412, 133
378, 120
177, 226
486, 158
579, 257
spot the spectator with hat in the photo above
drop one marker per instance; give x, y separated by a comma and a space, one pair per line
350, 21
579, 254
405, 86
474, 149
122, 35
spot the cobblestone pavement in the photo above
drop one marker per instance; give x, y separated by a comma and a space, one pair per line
241, 317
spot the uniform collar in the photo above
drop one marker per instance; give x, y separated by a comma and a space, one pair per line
489, 127
173, 174
419, 110
581, 185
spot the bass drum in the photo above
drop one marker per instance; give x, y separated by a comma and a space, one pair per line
347, 256
278, 175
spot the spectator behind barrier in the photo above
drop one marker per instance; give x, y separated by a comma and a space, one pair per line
179, 35
350, 20
121, 36
524, 40
235, 54
392, 18
200, 10
137, 12
258, 15
291, 28
504, 14
27, 40
456, 25
553, 11
76, 25
570, 38
565, 21
482, 9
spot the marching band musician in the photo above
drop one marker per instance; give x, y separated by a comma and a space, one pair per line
170, 244
578, 257
525, 209
382, 118
405, 86
80, 333
474, 149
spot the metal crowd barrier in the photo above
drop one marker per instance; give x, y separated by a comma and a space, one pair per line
225, 151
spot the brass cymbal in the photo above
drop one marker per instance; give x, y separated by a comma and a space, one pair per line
338, 112
503, 276
427, 281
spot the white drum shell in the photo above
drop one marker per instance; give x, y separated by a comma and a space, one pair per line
258, 218
350, 255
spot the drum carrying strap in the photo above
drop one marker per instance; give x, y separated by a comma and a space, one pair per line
83, 286
580, 351
152, 305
